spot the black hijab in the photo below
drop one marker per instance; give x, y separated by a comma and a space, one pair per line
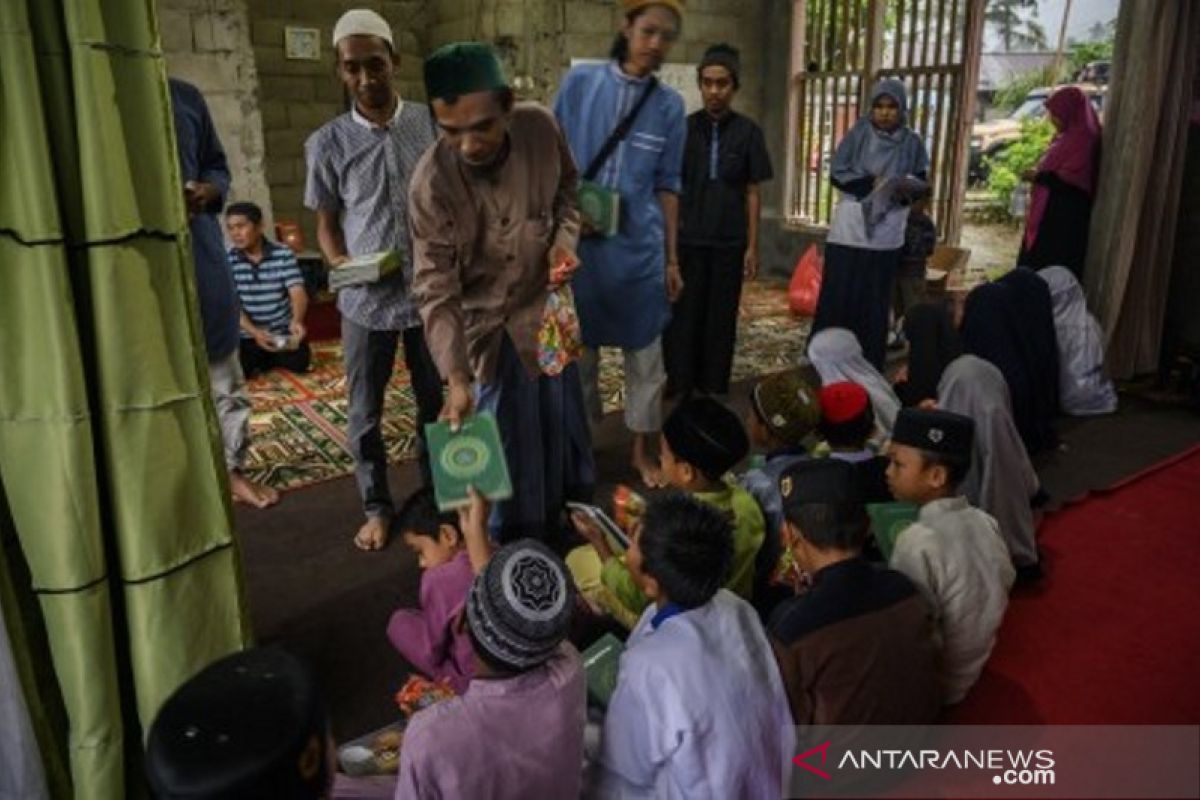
1038, 335
932, 345
992, 330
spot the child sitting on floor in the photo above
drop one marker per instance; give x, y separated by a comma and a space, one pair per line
784, 414
857, 648
953, 552
847, 423
699, 709
701, 441
426, 636
517, 732
251, 724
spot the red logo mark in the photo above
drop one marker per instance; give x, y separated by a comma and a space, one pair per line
823, 749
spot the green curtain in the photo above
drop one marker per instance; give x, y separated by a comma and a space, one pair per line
109, 453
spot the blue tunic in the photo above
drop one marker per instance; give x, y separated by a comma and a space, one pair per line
620, 290
201, 158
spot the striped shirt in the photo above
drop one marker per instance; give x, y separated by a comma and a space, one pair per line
263, 288
361, 172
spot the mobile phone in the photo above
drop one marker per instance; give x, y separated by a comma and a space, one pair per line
616, 537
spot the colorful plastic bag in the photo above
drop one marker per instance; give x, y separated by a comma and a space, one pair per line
559, 339
805, 286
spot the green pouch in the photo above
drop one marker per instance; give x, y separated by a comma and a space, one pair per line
600, 208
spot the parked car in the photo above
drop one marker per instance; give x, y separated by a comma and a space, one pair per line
989, 139
1096, 72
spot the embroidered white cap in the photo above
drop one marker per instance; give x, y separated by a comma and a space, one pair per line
362, 22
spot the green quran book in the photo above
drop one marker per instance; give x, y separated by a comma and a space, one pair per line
473, 456
600, 664
600, 208
888, 520
364, 269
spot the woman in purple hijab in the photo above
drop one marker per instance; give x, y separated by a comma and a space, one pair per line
1064, 184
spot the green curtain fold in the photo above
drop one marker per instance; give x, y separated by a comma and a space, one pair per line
109, 453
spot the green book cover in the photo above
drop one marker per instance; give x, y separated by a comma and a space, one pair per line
473, 456
601, 662
888, 520
600, 207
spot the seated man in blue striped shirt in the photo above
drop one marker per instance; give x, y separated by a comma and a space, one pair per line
272, 292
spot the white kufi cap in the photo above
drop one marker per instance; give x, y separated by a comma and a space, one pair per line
362, 22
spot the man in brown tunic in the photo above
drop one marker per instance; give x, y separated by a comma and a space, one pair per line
495, 224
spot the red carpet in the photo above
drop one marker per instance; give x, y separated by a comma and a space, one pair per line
1113, 634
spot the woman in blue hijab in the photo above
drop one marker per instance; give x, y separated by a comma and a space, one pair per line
861, 254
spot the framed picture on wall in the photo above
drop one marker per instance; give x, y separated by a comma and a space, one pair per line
302, 44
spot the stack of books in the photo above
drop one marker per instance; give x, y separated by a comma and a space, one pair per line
364, 269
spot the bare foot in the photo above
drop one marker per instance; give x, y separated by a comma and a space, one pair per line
646, 466
650, 473
245, 490
373, 535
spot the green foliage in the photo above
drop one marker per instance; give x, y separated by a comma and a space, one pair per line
1012, 94
1005, 170
1087, 52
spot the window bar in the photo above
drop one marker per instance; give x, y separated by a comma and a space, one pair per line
926, 38
940, 57
913, 13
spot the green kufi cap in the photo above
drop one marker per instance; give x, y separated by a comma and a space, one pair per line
463, 68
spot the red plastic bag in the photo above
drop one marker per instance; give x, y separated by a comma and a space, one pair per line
805, 286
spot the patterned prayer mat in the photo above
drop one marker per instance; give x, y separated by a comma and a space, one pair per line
298, 427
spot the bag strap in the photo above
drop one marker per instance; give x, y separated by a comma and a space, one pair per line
620, 132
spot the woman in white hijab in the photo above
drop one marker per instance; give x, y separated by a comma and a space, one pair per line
837, 356
1084, 390
1001, 480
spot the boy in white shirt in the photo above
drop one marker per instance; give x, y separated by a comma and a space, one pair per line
699, 710
953, 552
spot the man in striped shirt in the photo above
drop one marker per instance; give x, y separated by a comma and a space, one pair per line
271, 288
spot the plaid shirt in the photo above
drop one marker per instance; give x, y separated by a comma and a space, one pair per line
361, 171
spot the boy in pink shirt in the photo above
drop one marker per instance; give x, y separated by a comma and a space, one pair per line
517, 732
428, 637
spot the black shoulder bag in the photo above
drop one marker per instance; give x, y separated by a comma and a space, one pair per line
599, 205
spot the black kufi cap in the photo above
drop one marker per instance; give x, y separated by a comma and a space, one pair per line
250, 725
935, 431
706, 434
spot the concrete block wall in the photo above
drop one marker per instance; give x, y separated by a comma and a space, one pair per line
591, 24
207, 43
297, 97
267, 105
538, 38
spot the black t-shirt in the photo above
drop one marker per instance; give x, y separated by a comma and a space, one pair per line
713, 208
